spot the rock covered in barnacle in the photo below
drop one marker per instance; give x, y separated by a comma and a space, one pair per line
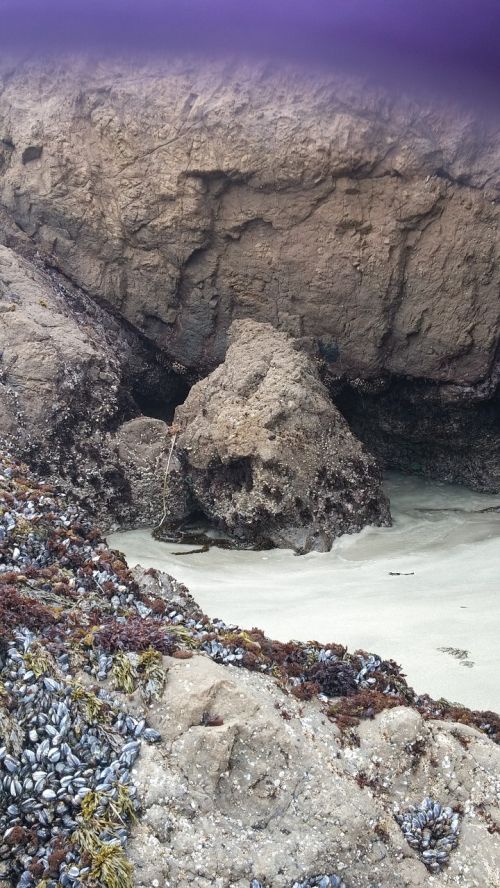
266, 456
432, 830
331, 881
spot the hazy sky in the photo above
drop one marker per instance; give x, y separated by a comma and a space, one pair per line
444, 45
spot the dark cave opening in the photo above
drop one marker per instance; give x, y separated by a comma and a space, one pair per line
161, 403
411, 426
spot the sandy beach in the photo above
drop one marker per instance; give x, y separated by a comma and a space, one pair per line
424, 592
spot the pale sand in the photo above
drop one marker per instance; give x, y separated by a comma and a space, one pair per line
348, 596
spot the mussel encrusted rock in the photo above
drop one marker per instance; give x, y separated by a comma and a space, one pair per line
432, 830
266, 456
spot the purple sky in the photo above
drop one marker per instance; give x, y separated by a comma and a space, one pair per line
449, 46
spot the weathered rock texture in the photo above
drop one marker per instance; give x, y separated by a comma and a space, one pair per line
264, 453
143, 447
68, 373
273, 793
188, 193
422, 428
191, 193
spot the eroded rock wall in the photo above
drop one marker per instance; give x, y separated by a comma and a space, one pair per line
70, 377
191, 193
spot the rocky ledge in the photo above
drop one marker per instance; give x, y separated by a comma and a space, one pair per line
145, 744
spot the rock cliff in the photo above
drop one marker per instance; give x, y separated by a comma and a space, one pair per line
188, 194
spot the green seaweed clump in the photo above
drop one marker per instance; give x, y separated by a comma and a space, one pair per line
151, 674
110, 867
124, 673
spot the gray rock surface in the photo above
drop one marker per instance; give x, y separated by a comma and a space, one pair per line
265, 454
275, 793
143, 448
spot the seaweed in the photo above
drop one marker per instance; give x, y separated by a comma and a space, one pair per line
335, 679
124, 673
137, 634
349, 711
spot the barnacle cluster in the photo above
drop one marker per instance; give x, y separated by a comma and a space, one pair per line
432, 830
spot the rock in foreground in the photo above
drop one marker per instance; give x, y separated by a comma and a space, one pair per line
265, 454
247, 782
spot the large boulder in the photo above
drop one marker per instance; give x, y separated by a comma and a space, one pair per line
265, 454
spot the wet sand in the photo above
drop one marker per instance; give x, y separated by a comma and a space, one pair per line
424, 592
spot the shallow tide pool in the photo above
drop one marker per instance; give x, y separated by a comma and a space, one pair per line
424, 592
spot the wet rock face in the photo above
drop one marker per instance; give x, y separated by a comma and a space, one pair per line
265, 454
68, 372
420, 428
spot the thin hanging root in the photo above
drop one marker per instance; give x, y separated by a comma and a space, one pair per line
165, 483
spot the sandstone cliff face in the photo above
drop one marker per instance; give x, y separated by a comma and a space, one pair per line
190, 194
